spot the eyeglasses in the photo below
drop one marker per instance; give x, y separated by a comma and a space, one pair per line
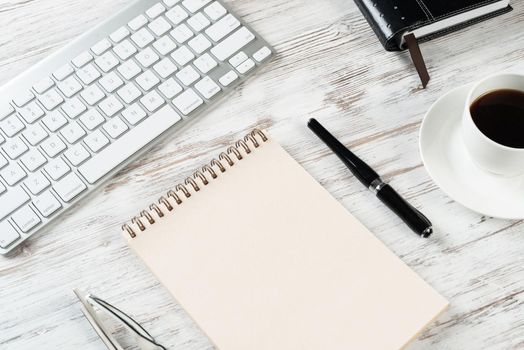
103, 317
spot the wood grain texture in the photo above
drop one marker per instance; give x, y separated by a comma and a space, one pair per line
329, 66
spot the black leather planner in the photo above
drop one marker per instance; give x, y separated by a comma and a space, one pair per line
403, 24
391, 19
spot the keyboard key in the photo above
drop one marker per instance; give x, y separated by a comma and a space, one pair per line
6, 110
25, 218
194, 5
262, 54
77, 154
125, 49
11, 200
238, 58
147, 57
107, 61
215, 11
8, 234
147, 80
188, 75
88, 74
33, 160
3, 163
142, 38
69, 86
43, 85
159, 26
92, 94
115, 127
92, 119
31, 112
164, 45
199, 44
57, 168
12, 125
138, 22
23, 98
46, 204
110, 106
222, 28
198, 22
246, 66
129, 69
36, 183
63, 72
152, 101
134, 114
119, 34
110, 82
15, 147
53, 146
182, 56
69, 187
101, 47
98, 166
72, 132
35, 134
187, 101
73, 107
170, 88
12, 174
82, 59
205, 63
170, 3
155, 10
165, 68
181, 33
51, 99
176, 15
207, 87
96, 141
129, 93
54, 121
232, 44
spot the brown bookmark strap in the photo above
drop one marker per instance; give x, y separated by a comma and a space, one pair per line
418, 60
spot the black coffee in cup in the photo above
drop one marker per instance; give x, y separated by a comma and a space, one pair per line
499, 115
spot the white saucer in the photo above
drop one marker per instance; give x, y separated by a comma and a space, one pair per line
448, 163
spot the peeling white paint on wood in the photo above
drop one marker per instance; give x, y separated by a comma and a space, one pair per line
329, 66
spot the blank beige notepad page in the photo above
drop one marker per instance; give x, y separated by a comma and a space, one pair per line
263, 258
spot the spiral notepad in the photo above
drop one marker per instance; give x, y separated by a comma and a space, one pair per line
263, 258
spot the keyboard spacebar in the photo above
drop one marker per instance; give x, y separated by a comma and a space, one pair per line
130, 143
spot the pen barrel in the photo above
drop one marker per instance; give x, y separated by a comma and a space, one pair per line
363, 172
409, 214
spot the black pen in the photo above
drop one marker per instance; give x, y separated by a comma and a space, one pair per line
411, 216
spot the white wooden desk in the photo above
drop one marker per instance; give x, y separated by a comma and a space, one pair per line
329, 66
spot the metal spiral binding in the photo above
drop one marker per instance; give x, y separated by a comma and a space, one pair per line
196, 181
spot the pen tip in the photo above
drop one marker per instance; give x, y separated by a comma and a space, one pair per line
427, 232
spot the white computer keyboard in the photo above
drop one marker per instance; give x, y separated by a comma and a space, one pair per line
76, 118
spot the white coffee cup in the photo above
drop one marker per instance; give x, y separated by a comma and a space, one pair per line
486, 153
